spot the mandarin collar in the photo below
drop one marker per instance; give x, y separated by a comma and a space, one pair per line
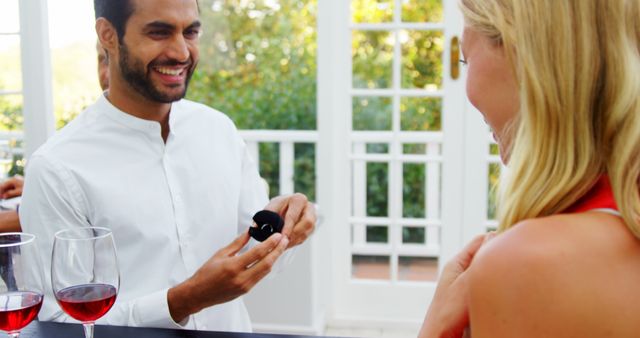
134, 122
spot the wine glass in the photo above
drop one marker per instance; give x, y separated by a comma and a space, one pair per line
84, 273
20, 281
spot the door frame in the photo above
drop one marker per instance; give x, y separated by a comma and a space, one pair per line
363, 303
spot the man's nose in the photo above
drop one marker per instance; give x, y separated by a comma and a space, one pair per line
179, 49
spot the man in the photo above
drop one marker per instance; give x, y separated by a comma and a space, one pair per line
170, 177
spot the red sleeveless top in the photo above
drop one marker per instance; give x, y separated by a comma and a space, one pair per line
599, 197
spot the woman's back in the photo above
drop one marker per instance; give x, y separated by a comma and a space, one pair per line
569, 275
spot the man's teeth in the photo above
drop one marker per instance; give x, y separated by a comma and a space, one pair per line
169, 71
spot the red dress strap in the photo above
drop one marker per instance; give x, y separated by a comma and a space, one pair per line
599, 197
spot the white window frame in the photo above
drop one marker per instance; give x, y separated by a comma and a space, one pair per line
37, 103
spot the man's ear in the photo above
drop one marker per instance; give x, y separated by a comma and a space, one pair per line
107, 35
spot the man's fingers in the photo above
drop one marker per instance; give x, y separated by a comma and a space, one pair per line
236, 245
295, 206
259, 251
304, 227
262, 267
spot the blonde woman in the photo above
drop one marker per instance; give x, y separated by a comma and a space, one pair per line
558, 81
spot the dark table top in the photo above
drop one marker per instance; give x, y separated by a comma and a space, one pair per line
61, 330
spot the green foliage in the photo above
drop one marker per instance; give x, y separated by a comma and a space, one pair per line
372, 11
420, 114
75, 80
378, 11
11, 112
377, 189
372, 113
414, 190
372, 59
258, 62
258, 65
494, 175
421, 60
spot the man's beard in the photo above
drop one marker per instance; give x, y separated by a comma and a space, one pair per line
134, 72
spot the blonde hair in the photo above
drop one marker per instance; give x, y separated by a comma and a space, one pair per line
577, 63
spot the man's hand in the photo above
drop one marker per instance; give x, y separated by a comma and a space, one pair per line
225, 276
299, 216
11, 187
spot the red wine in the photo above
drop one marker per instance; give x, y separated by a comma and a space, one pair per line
18, 308
87, 302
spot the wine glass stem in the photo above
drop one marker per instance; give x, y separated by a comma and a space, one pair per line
88, 330
14, 334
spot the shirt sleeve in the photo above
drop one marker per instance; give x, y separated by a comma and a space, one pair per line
53, 200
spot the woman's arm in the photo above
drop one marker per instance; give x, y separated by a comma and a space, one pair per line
447, 315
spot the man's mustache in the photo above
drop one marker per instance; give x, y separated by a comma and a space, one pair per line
171, 63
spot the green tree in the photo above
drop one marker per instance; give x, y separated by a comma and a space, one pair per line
258, 65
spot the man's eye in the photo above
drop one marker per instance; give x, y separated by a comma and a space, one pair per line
159, 33
192, 33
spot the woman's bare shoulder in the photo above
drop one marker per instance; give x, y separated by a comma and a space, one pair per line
564, 275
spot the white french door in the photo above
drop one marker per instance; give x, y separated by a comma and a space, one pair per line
402, 156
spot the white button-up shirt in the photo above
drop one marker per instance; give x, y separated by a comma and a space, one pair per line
170, 206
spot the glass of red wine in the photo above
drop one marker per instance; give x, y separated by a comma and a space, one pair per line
20, 281
84, 273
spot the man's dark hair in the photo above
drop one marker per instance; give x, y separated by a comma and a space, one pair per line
115, 11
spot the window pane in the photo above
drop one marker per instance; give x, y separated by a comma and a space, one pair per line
372, 113
377, 189
11, 117
10, 71
258, 62
10, 17
418, 268
414, 235
372, 54
494, 175
377, 148
422, 11
370, 267
413, 190
270, 166
422, 59
11, 149
371, 11
305, 169
414, 148
75, 80
494, 149
377, 234
421, 114
73, 58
